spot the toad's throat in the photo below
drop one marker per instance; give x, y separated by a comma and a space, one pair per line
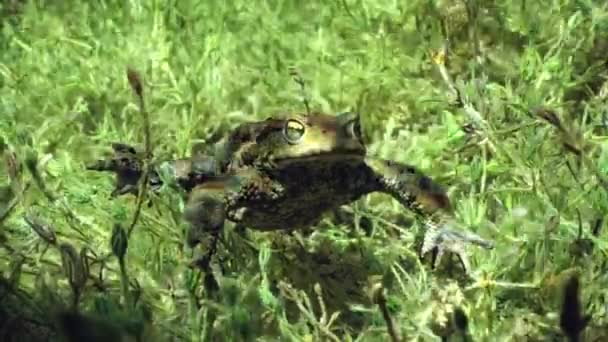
322, 157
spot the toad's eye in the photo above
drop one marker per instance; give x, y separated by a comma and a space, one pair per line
294, 131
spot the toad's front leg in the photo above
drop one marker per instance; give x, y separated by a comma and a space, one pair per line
205, 212
429, 201
225, 197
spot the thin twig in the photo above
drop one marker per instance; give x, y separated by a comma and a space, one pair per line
137, 87
439, 60
378, 297
390, 324
301, 300
572, 143
300, 81
13, 203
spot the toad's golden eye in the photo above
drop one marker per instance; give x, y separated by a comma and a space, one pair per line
293, 131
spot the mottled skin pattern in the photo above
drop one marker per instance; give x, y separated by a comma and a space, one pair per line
306, 192
286, 173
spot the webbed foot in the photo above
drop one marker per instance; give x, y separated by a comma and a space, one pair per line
430, 202
442, 238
